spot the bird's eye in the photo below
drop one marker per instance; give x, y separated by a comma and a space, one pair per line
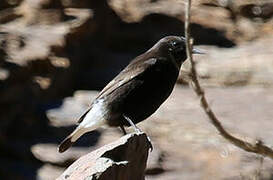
173, 46
174, 43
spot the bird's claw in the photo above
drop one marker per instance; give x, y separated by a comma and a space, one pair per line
138, 131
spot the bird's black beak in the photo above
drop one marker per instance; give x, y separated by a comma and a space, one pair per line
197, 51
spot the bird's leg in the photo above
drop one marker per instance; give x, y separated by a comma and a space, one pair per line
123, 130
137, 130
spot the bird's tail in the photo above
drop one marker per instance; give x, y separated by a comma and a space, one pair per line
69, 141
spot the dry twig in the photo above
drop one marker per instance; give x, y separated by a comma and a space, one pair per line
258, 147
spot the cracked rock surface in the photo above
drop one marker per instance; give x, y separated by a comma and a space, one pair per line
121, 160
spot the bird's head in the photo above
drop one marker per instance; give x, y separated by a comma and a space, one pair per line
175, 47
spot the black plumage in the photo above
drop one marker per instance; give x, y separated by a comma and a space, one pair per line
137, 91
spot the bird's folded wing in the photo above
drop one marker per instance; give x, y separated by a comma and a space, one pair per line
134, 69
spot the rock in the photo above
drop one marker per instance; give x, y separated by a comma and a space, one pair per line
49, 172
71, 109
48, 153
224, 15
155, 164
50, 49
187, 146
247, 64
192, 147
121, 160
32, 54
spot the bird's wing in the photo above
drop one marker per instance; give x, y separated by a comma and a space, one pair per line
134, 69
130, 72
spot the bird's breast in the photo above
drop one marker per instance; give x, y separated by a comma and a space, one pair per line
156, 87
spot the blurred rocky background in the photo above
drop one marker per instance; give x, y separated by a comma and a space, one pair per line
56, 54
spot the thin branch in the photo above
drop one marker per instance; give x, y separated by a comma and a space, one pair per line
258, 147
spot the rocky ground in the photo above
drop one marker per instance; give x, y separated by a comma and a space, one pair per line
186, 145
50, 51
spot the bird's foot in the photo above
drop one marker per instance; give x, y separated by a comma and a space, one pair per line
138, 131
123, 130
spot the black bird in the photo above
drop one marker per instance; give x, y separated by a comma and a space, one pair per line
137, 91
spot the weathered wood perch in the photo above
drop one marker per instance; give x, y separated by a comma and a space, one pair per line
123, 159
